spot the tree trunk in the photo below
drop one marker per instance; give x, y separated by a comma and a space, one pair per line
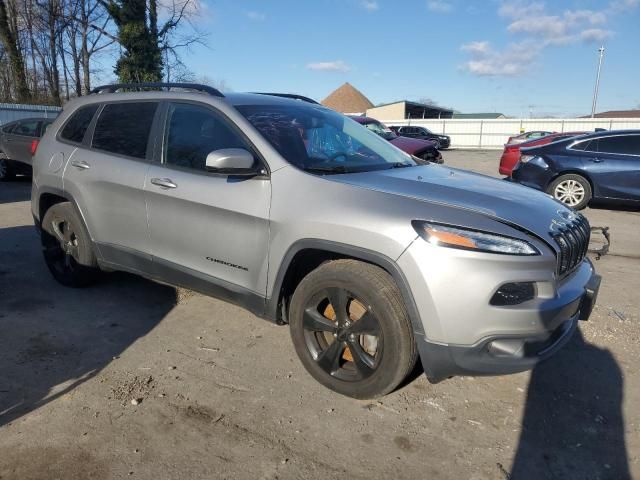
16, 60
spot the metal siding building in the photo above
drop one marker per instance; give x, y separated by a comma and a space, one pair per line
13, 111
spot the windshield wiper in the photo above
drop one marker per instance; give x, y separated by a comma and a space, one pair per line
402, 165
328, 169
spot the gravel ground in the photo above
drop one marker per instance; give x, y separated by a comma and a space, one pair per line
133, 379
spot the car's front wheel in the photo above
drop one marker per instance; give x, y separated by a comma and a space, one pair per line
572, 190
67, 247
351, 330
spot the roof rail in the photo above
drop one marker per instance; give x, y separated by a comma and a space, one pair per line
289, 95
157, 85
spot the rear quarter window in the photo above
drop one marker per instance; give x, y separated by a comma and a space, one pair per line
124, 128
78, 123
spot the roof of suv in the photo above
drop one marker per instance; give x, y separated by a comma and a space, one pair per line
231, 98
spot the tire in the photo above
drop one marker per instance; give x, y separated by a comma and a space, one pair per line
6, 169
359, 360
67, 247
572, 190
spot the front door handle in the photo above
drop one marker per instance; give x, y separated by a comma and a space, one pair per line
80, 164
596, 160
164, 182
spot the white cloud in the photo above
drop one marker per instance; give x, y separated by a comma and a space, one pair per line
335, 66
513, 61
257, 16
520, 9
478, 48
370, 5
620, 6
538, 28
595, 35
439, 6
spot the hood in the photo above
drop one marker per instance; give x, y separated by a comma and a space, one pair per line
411, 145
508, 202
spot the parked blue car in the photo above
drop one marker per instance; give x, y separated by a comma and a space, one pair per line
602, 167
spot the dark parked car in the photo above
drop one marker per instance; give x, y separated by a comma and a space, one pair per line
423, 149
603, 166
441, 141
511, 153
18, 141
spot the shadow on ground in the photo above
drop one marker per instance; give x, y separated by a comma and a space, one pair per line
573, 425
55, 338
16, 190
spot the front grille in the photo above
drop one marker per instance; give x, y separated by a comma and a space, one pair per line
573, 242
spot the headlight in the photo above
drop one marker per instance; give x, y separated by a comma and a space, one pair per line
465, 239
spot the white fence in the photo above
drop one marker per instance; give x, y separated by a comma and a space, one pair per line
14, 111
493, 134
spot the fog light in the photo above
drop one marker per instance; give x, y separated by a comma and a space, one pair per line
514, 294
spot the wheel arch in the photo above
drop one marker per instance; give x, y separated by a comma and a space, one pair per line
49, 197
305, 255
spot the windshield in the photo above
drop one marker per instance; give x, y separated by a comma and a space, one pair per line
320, 140
380, 129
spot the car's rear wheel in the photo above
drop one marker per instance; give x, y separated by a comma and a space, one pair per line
351, 330
6, 170
67, 247
572, 190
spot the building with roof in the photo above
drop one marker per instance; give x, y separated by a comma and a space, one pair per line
478, 116
616, 114
347, 99
405, 109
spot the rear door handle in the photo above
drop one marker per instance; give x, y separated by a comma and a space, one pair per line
80, 164
596, 160
164, 182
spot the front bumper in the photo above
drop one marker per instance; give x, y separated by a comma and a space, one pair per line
462, 334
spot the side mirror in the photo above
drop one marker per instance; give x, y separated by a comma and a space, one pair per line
231, 161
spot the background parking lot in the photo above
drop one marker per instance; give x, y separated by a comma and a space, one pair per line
219, 393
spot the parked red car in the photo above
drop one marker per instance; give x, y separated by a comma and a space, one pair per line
511, 153
424, 149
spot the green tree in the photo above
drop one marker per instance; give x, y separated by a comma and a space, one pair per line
137, 22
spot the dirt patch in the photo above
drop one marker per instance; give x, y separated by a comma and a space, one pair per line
133, 388
51, 463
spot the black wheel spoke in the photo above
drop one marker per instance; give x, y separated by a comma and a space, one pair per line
339, 299
316, 322
329, 359
366, 325
362, 360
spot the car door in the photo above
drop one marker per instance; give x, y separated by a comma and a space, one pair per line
18, 142
106, 175
615, 168
206, 227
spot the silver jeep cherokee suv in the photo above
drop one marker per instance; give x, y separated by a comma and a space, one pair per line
303, 216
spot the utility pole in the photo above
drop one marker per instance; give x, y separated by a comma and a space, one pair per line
595, 91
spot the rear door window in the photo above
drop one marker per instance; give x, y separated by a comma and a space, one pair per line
77, 125
123, 128
8, 128
622, 145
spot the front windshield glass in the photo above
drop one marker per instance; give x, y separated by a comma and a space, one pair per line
317, 139
380, 129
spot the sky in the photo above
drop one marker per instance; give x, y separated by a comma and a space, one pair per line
519, 58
